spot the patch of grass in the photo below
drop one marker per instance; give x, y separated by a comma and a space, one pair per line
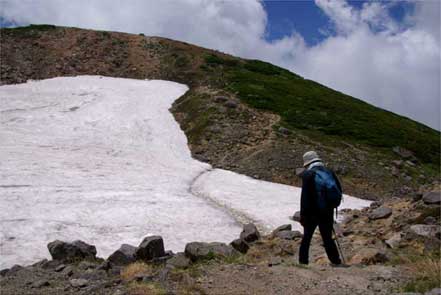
146, 289
427, 271
29, 31
135, 269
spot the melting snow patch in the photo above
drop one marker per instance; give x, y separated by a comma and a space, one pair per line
103, 160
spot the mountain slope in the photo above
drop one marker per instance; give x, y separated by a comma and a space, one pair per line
243, 115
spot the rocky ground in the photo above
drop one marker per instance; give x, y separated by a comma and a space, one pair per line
391, 247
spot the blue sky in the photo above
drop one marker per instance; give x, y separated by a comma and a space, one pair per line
306, 18
386, 53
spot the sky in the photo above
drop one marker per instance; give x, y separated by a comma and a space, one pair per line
386, 53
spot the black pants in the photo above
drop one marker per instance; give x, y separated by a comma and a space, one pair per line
325, 223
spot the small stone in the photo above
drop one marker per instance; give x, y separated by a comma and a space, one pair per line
369, 256
40, 284
78, 283
220, 98
430, 220
409, 163
284, 130
106, 265
60, 267
394, 241
397, 163
179, 261
231, 104
380, 213
240, 245
375, 204
289, 235
432, 198
68, 271
275, 261
250, 233
282, 228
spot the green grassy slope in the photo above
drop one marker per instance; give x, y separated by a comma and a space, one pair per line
307, 105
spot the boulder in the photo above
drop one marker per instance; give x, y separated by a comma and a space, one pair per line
151, 247
289, 235
424, 230
394, 241
379, 213
240, 245
369, 256
250, 233
284, 227
76, 250
199, 250
179, 261
432, 198
123, 256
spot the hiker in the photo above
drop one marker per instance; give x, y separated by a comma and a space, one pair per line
315, 209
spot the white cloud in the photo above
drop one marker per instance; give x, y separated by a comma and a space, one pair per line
392, 65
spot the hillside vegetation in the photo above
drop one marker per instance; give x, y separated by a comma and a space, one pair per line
270, 118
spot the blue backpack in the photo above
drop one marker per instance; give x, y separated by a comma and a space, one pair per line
328, 194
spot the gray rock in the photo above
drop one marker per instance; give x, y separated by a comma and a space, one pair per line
397, 163
432, 198
285, 227
250, 233
4, 271
402, 152
424, 230
379, 213
123, 256
430, 220
71, 251
275, 261
60, 267
394, 241
40, 284
284, 130
85, 265
369, 256
179, 261
151, 247
199, 250
78, 283
375, 204
436, 291
289, 235
231, 104
240, 245
68, 271
106, 265
220, 98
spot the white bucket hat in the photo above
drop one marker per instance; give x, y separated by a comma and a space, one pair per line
310, 157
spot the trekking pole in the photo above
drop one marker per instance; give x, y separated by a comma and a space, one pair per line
338, 246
